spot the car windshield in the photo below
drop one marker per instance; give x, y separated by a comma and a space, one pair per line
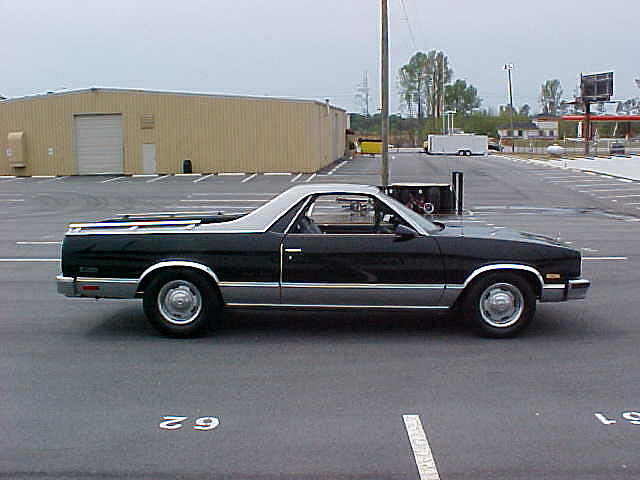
409, 214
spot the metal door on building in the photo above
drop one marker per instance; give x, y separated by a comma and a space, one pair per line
149, 158
99, 147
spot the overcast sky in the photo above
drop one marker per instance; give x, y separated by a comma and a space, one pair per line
312, 48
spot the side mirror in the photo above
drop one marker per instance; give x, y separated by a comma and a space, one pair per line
403, 231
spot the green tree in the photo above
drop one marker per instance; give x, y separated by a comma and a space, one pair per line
461, 97
422, 83
550, 97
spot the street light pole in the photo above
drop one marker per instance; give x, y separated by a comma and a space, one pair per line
385, 95
508, 67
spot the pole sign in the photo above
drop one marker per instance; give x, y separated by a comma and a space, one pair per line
597, 87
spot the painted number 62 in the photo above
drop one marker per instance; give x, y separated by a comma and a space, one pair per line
203, 423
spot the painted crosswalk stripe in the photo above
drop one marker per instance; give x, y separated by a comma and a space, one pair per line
296, 177
421, 451
311, 178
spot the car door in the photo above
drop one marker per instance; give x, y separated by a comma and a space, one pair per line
348, 264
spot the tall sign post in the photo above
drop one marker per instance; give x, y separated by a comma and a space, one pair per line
385, 95
508, 67
597, 87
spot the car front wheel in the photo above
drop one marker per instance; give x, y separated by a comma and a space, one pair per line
180, 303
500, 305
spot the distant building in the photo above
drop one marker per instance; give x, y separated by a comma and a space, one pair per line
540, 127
130, 131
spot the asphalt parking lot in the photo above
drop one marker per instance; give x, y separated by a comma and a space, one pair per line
86, 385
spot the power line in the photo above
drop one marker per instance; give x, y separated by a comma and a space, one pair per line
406, 18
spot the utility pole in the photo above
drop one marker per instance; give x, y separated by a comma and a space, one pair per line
385, 94
508, 67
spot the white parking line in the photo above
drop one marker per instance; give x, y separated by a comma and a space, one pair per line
38, 243
311, 178
562, 176
203, 178
236, 194
277, 173
208, 200
231, 174
631, 189
571, 181
43, 176
604, 258
11, 200
296, 177
421, 451
12, 260
156, 179
187, 174
144, 175
249, 178
597, 185
54, 179
111, 179
620, 196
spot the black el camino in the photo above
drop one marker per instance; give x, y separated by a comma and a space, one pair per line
317, 246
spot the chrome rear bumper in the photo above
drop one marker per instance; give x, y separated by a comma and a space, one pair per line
560, 292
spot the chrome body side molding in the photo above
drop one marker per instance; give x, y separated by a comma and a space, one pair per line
321, 306
97, 287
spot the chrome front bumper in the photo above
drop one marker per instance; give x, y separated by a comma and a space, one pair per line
97, 287
573, 290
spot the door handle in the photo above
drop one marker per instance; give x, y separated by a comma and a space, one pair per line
293, 250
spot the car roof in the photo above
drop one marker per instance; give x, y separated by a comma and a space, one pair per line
263, 217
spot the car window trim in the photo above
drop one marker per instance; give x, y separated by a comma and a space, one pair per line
419, 230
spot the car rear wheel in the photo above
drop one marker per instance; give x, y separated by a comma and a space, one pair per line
180, 303
500, 304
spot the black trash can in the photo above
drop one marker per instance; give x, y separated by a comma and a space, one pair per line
187, 167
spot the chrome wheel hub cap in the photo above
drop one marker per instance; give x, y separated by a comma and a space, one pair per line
501, 305
179, 302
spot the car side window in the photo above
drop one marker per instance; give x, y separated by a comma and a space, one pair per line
345, 214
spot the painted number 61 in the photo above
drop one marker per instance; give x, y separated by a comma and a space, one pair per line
202, 423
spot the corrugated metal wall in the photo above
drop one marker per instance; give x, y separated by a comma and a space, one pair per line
218, 134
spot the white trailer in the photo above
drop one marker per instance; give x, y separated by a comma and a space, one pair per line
457, 144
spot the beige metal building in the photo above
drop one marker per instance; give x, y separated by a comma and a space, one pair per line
123, 131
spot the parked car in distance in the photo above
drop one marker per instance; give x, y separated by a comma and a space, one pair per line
495, 147
317, 246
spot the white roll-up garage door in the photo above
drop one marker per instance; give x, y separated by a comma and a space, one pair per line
99, 144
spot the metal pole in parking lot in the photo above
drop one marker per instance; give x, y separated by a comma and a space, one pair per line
385, 95
508, 67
